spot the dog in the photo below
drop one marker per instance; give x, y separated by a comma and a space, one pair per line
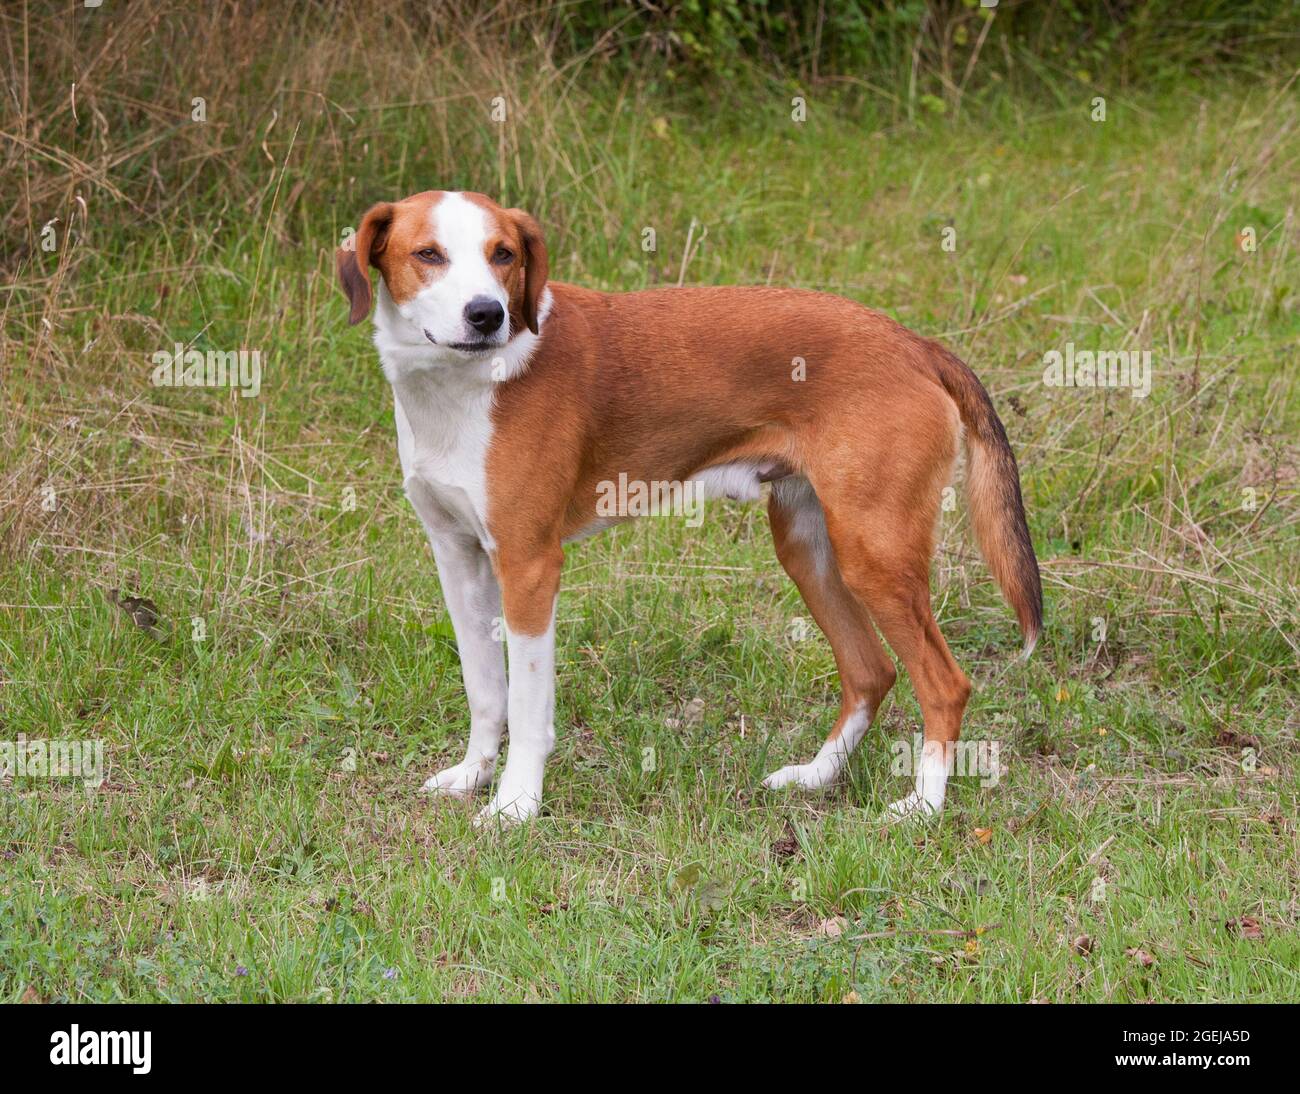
518, 400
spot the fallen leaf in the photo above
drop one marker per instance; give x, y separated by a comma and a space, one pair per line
31, 995
833, 927
1230, 738
687, 876
984, 835
1247, 926
788, 844
1140, 956
711, 895
1082, 945
142, 611
852, 997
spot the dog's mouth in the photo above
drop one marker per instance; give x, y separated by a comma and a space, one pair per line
483, 345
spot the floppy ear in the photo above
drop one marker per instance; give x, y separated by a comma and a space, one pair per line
536, 264
354, 260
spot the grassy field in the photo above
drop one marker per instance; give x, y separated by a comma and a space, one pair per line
259, 835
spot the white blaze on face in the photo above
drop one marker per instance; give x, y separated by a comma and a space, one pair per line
462, 230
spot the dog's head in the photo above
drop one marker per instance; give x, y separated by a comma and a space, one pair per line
462, 272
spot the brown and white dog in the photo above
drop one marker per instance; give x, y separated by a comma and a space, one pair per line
516, 400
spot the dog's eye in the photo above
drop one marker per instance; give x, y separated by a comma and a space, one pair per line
430, 255
502, 255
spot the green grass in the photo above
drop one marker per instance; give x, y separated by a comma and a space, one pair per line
260, 836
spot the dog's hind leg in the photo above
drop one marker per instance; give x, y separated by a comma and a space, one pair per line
866, 671
884, 556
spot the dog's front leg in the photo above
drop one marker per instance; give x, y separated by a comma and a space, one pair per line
530, 582
473, 599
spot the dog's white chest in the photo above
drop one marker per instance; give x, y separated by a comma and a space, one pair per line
443, 434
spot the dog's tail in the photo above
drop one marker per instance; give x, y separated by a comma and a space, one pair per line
993, 494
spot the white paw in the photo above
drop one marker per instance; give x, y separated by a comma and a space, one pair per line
508, 808
804, 776
461, 780
909, 807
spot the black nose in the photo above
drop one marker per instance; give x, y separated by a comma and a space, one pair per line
484, 314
